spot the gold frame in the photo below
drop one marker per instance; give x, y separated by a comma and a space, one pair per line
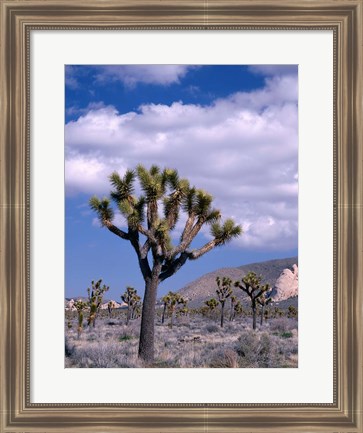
17, 19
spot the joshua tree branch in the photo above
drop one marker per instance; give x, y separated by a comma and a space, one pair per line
172, 267
120, 233
195, 254
143, 261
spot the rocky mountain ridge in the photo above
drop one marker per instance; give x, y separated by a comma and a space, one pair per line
277, 273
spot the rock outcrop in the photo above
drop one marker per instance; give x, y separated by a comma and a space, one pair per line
69, 304
287, 284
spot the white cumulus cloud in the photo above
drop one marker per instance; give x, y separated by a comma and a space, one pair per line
131, 75
242, 149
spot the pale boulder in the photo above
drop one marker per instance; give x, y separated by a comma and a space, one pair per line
287, 285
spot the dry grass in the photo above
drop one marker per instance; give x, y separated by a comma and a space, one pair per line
193, 342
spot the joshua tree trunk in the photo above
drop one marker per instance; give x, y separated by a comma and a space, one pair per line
262, 313
146, 346
163, 316
128, 315
171, 319
222, 313
254, 316
80, 324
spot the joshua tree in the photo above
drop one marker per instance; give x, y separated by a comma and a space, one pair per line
212, 304
171, 301
291, 311
264, 300
233, 303
95, 296
224, 291
131, 298
80, 306
135, 306
158, 258
109, 308
238, 309
165, 299
183, 311
251, 284
175, 301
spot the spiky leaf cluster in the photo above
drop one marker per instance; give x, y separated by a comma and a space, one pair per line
155, 213
226, 231
80, 305
212, 303
103, 210
224, 289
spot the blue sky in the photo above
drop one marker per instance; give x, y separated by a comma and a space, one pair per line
231, 130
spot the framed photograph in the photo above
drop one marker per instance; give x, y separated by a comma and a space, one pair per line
197, 167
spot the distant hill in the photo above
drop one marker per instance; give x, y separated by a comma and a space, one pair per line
204, 287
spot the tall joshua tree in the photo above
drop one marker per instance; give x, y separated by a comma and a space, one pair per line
224, 291
251, 284
95, 296
150, 219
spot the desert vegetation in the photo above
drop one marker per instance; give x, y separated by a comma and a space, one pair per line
195, 340
204, 337
170, 332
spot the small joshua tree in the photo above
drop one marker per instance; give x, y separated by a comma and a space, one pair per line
291, 311
172, 301
224, 291
264, 300
131, 298
165, 300
183, 311
136, 306
212, 304
238, 309
95, 296
109, 308
251, 284
233, 303
80, 306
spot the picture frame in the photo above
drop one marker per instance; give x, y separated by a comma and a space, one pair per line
18, 19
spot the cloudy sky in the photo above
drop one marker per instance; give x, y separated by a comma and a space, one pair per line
231, 130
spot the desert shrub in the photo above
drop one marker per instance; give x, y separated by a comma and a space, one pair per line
165, 363
69, 348
225, 358
286, 334
125, 337
283, 324
103, 355
258, 350
212, 328
111, 323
